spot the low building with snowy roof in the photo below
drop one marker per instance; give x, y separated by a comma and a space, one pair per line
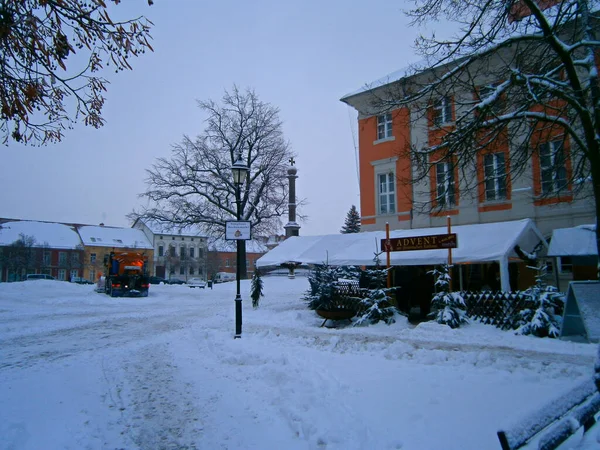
222, 255
48, 248
179, 252
575, 253
99, 240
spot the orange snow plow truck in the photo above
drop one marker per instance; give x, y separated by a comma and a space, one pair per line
126, 274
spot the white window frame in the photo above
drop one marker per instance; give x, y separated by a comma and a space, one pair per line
496, 174
386, 193
92, 258
556, 184
62, 258
74, 273
442, 111
384, 126
62, 274
445, 188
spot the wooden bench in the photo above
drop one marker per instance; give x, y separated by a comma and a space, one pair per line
556, 421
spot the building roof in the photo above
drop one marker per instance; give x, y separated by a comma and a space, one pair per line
476, 243
101, 236
46, 234
576, 241
252, 246
169, 229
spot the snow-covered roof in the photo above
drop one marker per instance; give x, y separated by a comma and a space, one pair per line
383, 81
102, 236
576, 241
52, 235
252, 246
166, 228
476, 243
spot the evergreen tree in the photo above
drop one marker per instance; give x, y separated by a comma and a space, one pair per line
448, 308
376, 306
352, 223
541, 319
256, 288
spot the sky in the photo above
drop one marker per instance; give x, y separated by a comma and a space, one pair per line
301, 57
80, 369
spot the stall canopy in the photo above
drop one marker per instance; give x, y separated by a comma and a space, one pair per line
476, 243
576, 241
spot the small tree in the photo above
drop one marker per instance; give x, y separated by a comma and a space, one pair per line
256, 291
376, 306
352, 223
541, 319
448, 308
322, 280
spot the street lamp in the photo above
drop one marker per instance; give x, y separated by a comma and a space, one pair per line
240, 173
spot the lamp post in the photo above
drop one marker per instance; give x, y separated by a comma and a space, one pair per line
240, 173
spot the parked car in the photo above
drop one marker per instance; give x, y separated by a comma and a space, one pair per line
80, 280
175, 281
39, 276
196, 282
157, 280
222, 277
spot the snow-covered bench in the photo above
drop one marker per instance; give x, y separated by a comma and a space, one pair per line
556, 421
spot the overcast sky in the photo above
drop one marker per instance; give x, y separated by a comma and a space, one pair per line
299, 56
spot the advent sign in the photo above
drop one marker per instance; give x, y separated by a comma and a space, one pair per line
431, 242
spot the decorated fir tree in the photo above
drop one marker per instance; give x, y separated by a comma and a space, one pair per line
256, 288
545, 302
352, 223
448, 308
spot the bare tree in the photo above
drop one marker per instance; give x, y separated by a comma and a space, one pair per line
39, 95
19, 257
518, 71
195, 185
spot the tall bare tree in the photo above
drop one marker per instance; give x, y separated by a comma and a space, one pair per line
518, 72
195, 185
41, 94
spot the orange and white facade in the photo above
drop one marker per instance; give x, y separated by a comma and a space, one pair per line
387, 194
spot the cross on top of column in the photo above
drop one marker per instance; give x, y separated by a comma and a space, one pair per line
292, 161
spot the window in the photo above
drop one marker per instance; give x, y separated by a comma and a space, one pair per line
553, 167
46, 258
182, 252
92, 275
75, 258
172, 251
74, 274
62, 259
247, 263
444, 184
384, 126
442, 111
565, 264
92, 258
386, 191
226, 263
191, 252
62, 274
191, 271
161, 250
200, 253
495, 176
181, 270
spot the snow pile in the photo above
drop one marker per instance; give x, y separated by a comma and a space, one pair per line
79, 369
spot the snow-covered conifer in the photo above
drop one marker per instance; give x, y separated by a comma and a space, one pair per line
540, 319
448, 308
256, 288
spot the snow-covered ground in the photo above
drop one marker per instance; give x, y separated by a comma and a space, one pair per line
81, 370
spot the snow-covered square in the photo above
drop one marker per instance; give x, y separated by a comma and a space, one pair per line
81, 370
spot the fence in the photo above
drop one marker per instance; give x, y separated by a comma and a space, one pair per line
498, 308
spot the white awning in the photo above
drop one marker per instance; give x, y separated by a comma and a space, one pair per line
476, 243
576, 241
